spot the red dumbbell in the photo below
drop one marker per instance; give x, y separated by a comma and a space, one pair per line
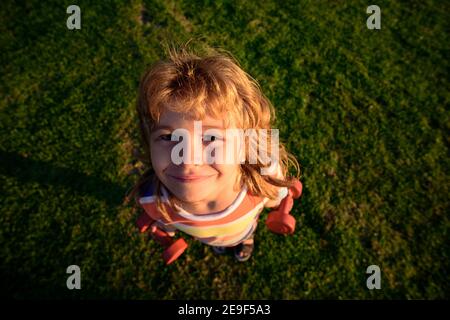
296, 189
172, 249
280, 220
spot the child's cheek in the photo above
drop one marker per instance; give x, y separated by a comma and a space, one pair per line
214, 153
233, 152
160, 155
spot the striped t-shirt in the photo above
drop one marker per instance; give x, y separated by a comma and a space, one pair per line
225, 228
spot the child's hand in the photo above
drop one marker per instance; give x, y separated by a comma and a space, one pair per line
282, 193
155, 226
273, 204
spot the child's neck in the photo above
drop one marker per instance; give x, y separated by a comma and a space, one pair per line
209, 206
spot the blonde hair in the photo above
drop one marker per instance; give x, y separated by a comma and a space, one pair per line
210, 84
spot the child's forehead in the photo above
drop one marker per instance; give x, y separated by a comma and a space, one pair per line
173, 118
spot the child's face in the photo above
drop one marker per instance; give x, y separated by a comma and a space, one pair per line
191, 183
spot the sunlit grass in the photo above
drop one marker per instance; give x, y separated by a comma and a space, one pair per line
365, 112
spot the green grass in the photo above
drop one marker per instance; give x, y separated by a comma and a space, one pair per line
365, 112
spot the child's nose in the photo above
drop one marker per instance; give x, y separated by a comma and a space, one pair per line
191, 152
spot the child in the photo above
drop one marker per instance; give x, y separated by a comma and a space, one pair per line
217, 202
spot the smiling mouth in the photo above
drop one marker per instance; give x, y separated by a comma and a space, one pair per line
190, 178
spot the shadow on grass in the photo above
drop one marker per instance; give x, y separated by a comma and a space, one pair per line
29, 170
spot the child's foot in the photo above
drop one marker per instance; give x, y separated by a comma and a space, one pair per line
243, 251
219, 250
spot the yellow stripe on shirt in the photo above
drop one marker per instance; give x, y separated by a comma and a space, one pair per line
234, 227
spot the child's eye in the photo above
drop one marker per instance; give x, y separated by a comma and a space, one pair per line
165, 137
211, 138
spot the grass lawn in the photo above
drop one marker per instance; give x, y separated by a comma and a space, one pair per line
366, 112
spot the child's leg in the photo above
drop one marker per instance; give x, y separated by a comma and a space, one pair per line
219, 250
243, 251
